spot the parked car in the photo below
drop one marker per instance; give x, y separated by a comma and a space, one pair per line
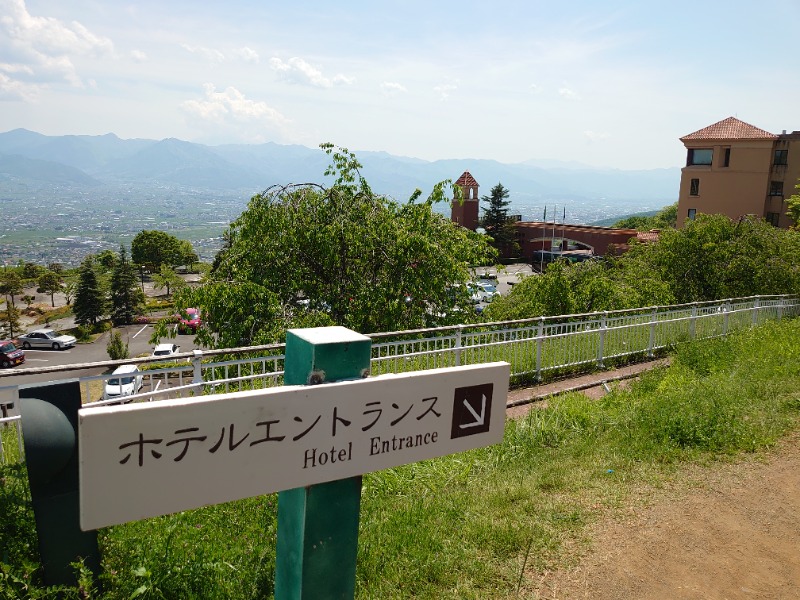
126, 380
489, 291
10, 355
166, 350
189, 320
46, 338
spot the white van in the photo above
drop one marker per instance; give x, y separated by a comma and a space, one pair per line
126, 380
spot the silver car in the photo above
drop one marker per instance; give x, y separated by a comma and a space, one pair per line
46, 338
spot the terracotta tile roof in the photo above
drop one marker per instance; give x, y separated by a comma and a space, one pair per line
466, 180
730, 129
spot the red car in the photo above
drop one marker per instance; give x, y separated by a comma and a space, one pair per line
10, 355
189, 320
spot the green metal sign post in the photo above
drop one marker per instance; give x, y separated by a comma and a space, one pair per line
50, 426
318, 524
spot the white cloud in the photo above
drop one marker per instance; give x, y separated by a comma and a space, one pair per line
210, 54
296, 70
534, 89
11, 89
138, 56
231, 105
568, 94
44, 45
247, 54
391, 88
594, 136
444, 90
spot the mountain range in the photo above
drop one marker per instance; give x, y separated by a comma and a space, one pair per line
30, 159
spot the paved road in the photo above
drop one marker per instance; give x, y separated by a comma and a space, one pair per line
136, 336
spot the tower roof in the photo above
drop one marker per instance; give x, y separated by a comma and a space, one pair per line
730, 129
466, 180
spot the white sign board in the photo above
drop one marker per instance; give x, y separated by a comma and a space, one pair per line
143, 460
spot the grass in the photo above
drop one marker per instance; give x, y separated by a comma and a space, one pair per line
475, 524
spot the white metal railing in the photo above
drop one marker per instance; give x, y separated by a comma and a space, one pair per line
534, 348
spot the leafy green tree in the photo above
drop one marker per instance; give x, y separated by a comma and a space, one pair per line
9, 321
90, 302
168, 278
10, 285
126, 297
713, 257
105, 260
362, 260
116, 348
666, 217
31, 270
28, 300
51, 283
152, 248
69, 290
793, 206
188, 255
56, 267
498, 225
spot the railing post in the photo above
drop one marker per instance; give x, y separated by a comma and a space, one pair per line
756, 306
196, 363
601, 345
780, 308
458, 345
651, 343
725, 309
693, 321
539, 341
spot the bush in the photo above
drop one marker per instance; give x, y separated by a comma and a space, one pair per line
115, 348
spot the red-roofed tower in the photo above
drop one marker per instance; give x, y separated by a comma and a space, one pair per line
465, 210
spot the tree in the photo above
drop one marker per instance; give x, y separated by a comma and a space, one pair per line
105, 260
50, 282
10, 285
666, 217
69, 290
28, 300
117, 350
151, 249
9, 319
362, 260
713, 257
31, 270
498, 225
168, 278
793, 207
126, 297
90, 304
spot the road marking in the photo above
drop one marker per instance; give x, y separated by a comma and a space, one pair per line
140, 331
37, 360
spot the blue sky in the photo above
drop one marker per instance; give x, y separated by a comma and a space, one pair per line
611, 84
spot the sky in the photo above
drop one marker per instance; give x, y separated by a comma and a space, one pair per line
607, 84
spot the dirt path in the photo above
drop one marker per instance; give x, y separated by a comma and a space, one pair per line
728, 531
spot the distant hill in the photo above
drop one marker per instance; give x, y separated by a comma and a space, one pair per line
82, 159
24, 170
610, 221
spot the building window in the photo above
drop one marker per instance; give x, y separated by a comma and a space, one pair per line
699, 156
776, 188
694, 187
773, 218
726, 159
691, 213
781, 157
